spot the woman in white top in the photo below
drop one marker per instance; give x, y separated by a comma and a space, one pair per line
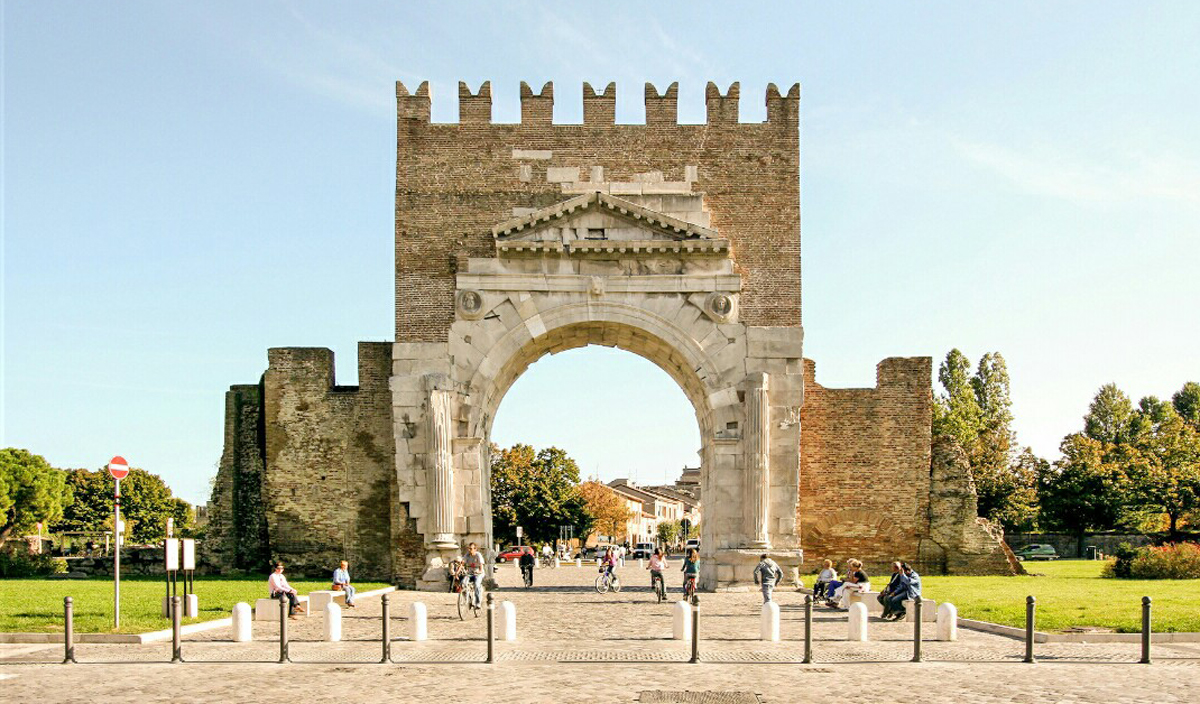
856, 580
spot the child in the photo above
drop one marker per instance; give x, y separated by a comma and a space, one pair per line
691, 568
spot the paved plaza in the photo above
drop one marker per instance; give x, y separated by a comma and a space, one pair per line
575, 645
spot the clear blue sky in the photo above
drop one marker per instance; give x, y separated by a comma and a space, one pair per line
188, 184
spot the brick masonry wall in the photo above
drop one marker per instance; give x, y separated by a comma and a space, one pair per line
455, 181
864, 465
329, 451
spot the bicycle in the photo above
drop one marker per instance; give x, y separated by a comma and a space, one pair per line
606, 581
466, 597
660, 588
689, 587
527, 575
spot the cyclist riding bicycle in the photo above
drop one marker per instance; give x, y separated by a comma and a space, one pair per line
526, 562
691, 569
473, 562
609, 564
656, 566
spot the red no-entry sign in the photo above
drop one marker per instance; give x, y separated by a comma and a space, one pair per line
118, 467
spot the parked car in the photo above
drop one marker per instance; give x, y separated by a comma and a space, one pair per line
513, 552
643, 551
1036, 552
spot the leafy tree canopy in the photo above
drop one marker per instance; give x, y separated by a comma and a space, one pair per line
31, 492
537, 491
146, 503
608, 510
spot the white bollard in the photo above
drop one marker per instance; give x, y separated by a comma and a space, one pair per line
417, 621
537, 561
857, 622
557, 562
947, 622
640, 565
579, 562
769, 626
681, 621
506, 621
333, 622
242, 621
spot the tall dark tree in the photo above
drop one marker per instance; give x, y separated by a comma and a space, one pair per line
31, 492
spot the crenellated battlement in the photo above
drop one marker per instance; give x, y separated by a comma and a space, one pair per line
600, 109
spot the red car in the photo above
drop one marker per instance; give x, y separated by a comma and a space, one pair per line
513, 552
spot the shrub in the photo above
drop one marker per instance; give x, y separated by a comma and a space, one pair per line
1174, 561
22, 564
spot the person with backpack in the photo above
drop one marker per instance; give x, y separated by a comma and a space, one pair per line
767, 574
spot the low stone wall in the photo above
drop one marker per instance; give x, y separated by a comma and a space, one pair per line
1069, 545
134, 561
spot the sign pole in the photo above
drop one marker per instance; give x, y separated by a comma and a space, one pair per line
118, 468
117, 557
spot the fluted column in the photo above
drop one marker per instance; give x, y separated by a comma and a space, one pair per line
757, 439
441, 480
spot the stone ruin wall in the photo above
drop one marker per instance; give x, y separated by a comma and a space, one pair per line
326, 493
864, 477
872, 488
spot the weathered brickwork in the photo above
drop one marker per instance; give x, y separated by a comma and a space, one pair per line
871, 487
455, 181
864, 477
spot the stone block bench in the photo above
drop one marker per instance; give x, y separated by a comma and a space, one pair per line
928, 610
268, 609
317, 600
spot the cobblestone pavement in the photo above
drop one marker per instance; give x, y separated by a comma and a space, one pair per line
575, 645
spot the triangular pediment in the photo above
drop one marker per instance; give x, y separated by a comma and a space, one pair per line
600, 216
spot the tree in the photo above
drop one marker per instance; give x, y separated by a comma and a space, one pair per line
976, 410
1162, 459
1108, 416
1187, 404
92, 508
1087, 489
956, 412
668, 532
31, 492
536, 491
146, 503
609, 511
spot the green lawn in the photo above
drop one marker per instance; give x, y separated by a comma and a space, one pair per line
1069, 593
36, 605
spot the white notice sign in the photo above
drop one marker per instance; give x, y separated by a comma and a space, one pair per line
189, 554
172, 551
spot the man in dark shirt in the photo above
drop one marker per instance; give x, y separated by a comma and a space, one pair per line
894, 587
526, 562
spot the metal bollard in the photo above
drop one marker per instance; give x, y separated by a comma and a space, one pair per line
283, 634
491, 627
176, 630
69, 629
917, 603
1030, 618
808, 607
386, 634
695, 628
1145, 631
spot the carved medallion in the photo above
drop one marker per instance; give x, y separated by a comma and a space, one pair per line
719, 306
470, 304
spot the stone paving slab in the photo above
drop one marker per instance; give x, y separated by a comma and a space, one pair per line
576, 645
